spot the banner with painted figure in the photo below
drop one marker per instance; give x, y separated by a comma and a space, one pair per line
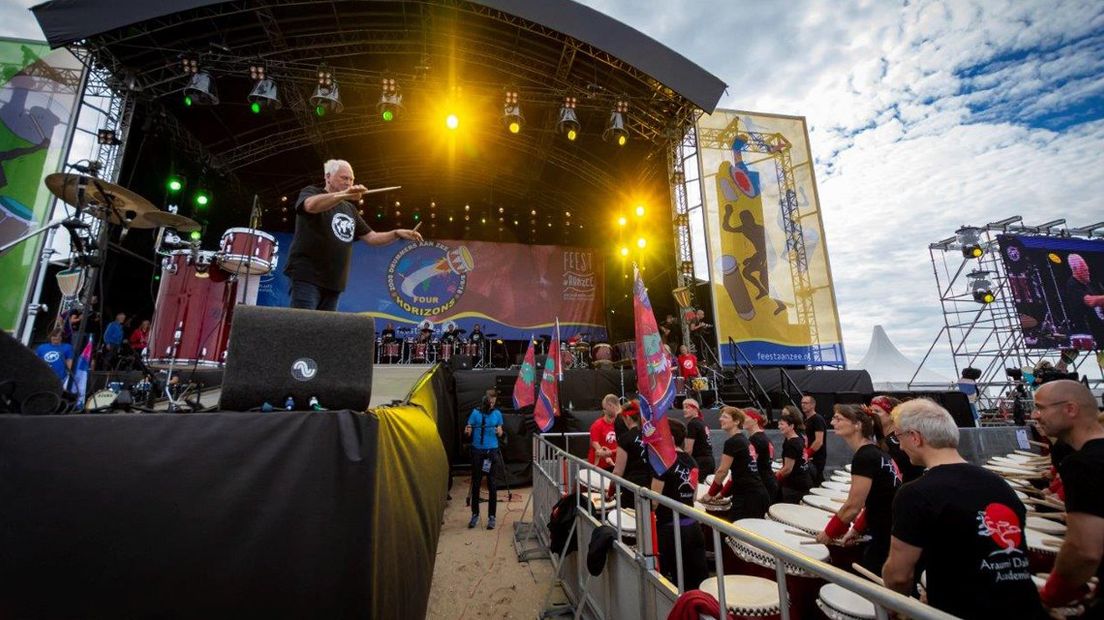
771, 281
508, 289
38, 100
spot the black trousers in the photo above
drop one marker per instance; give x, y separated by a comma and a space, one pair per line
694, 568
478, 459
308, 296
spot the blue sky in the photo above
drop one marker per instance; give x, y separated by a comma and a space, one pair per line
924, 116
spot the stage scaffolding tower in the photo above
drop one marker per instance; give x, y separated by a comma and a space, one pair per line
987, 337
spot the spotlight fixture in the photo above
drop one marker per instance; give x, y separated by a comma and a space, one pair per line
202, 198
511, 112
980, 286
189, 64
264, 94
615, 129
107, 137
201, 90
968, 238
326, 97
568, 124
174, 184
390, 105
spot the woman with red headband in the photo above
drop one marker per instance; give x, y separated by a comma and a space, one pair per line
794, 479
882, 407
874, 481
749, 496
762, 450
698, 444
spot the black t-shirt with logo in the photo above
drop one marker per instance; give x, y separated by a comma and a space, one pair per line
637, 469
909, 472
703, 447
762, 450
969, 523
322, 247
872, 463
815, 424
742, 471
1083, 478
799, 478
680, 483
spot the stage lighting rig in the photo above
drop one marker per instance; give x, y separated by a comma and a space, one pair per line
107, 137
968, 239
390, 105
511, 112
201, 90
326, 97
568, 124
264, 93
980, 286
615, 130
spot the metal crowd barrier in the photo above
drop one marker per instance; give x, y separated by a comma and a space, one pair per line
556, 473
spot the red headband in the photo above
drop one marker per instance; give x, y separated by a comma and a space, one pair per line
631, 408
882, 402
754, 415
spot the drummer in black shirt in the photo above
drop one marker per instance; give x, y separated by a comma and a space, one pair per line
882, 407
874, 481
762, 450
794, 479
816, 437
963, 523
698, 444
631, 459
745, 489
1067, 410
679, 483
326, 223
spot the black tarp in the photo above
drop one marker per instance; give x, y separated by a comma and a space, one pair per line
215, 514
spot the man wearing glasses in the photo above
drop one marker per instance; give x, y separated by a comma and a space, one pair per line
816, 431
1067, 410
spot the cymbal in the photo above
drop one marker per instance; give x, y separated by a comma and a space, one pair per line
101, 193
164, 219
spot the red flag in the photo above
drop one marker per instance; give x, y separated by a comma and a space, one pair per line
525, 386
653, 381
548, 398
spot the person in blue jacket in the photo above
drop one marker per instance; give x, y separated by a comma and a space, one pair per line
484, 427
58, 354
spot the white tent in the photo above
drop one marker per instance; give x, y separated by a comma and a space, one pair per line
890, 370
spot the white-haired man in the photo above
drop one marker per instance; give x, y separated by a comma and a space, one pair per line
1084, 300
1067, 410
326, 223
964, 523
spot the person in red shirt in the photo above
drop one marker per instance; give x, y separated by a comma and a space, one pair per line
688, 363
139, 338
603, 435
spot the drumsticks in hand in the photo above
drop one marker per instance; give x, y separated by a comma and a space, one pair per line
866, 573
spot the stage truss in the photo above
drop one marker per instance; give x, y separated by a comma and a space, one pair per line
988, 336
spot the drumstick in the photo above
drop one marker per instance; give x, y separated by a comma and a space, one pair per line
1037, 444
417, 226
808, 542
866, 573
1046, 502
800, 533
381, 189
1055, 516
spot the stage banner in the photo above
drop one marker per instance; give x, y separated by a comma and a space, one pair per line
769, 272
38, 100
1057, 286
511, 290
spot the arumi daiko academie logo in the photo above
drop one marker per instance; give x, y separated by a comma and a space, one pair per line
427, 279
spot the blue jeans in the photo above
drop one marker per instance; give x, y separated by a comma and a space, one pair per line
311, 297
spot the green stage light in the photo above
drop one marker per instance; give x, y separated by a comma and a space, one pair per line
319, 110
196, 235
417, 217
188, 101
175, 184
202, 199
388, 116
255, 107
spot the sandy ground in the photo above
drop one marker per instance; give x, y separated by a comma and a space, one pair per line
477, 574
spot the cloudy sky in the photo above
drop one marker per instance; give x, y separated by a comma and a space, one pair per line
923, 115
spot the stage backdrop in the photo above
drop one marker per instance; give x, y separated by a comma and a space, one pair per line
513, 290
777, 305
1049, 279
38, 98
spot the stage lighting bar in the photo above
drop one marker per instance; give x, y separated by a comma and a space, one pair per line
1003, 224
968, 239
1087, 230
568, 124
615, 130
511, 113
390, 105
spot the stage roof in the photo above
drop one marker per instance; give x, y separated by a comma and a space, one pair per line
445, 55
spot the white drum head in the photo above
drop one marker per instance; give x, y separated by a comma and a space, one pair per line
835, 484
829, 493
776, 531
841, 600
1046, 526
776, 465
821, 502
248, 231
746, 594
627, 518
593, 480
804, 518
1006, 470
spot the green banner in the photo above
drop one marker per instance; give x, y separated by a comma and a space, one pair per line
38, 97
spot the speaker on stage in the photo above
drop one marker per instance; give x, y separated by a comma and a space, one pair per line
460, 362
275, 353
33, 387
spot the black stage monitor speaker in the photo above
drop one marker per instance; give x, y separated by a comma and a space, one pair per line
27, 384
460, 362
279, 352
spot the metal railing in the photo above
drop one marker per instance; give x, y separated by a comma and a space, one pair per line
755, 390
556, 473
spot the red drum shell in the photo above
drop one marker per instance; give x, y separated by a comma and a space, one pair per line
246, 250
195, 303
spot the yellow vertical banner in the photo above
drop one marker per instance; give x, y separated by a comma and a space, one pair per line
769, 272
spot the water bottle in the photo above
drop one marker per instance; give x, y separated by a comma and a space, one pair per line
314, 404
289, 404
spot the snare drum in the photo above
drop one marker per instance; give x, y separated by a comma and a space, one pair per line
247, 250
839, 603
802, 586
1041, 550
99, 400
391, 349
1046, 526
191, 319
746, 597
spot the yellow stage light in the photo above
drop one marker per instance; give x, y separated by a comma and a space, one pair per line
621, 140
452, 121
515, 126
641, 242
624, 251
639, 210
621, 221
572, 134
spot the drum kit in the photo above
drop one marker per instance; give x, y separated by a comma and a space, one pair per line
423, 345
